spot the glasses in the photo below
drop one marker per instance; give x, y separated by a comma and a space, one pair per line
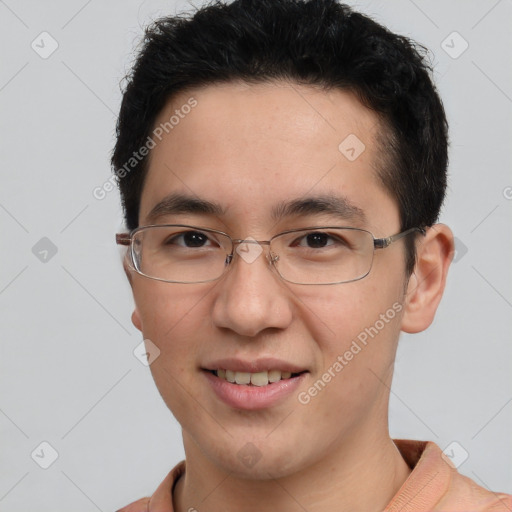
180, 253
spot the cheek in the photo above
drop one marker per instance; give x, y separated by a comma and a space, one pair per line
356, 330
340, 313
171, 316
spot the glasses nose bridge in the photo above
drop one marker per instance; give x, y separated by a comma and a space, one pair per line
250, 241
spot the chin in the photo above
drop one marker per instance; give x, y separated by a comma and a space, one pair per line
258, 459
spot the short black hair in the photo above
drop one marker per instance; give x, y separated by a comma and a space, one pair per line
311, 42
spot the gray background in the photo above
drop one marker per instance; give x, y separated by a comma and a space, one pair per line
68, 375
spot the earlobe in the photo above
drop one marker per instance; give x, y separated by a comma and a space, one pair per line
136, 319
434, 253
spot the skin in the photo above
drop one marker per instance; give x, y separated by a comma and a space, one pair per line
250, 147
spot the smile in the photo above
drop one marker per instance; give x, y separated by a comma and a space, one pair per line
254, 390
262, 378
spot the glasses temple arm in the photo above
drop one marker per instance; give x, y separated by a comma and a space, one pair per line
382, 243
123, 238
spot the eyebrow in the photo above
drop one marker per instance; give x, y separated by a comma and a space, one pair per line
339, 206
326, 204
181, 203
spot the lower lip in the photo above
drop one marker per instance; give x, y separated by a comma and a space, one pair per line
251, 397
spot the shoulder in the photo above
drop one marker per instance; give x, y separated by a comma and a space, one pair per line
435, 485
162, 497
468, 495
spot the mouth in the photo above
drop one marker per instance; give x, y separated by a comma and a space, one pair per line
260, 379
253, 385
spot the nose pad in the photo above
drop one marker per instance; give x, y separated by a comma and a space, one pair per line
272, 258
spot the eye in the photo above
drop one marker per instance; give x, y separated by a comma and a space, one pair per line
319, 240
316, 240
189, 239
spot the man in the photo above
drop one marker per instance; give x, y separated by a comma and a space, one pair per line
282, 165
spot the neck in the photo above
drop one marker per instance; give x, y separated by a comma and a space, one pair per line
355, 476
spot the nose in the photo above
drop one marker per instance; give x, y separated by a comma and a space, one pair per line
251, 296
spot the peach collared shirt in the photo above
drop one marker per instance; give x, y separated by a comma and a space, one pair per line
434, 485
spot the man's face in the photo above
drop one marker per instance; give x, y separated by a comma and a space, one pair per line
251, 148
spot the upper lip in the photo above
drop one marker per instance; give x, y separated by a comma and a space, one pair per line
255, 366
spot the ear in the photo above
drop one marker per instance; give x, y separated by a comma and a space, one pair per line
128, 269
434, 253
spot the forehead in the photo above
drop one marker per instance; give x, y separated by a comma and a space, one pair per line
252, 147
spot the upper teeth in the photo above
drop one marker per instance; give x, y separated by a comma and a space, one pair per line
257, 379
